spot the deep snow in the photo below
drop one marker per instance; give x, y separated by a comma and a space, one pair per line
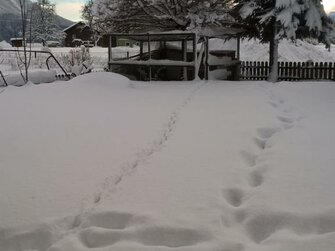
101, 163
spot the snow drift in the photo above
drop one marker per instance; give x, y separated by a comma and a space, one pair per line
103, 163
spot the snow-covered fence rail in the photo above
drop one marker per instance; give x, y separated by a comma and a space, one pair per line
289, 71
10, 61
43, 66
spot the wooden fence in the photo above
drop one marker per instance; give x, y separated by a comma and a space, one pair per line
288, 71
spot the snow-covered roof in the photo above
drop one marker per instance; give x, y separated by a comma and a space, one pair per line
156, 36
217, 32
177, 35
16, 38
73, 25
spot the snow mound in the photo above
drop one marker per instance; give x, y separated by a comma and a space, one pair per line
35, 77
115, 230
299, 51
4, 45
102, 78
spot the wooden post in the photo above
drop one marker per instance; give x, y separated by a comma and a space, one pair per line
238, 53
325, 70
206, 57
259, 70
266, 70
3, 78
110, 56
330, 71
141, 50
195, 51
149, 51
294, 71
184, 52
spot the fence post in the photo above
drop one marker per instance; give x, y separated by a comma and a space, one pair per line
331, 76
325, 70
266, 69
303, 70
321, 71
252, 65
294, 71
258, 70
262, 70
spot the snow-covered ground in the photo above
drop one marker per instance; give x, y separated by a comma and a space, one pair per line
101, 163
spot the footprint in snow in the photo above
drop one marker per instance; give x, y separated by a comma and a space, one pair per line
234, 196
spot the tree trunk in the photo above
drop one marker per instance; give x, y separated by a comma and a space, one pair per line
23, 7
273, 59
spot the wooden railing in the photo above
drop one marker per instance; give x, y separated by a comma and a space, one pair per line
289, 71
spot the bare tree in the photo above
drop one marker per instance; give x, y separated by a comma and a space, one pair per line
88, 14
26, 54
159, 15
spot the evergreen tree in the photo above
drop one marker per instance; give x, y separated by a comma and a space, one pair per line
272, 20
43, 23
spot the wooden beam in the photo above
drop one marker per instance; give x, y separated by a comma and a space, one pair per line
152, 62
238, 47
195, 54
110, 56
141, 50
149, 51
206, 57
184, 52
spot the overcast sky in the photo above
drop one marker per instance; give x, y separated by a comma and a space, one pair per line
70, 9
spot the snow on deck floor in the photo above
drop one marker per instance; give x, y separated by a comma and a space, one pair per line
226, 166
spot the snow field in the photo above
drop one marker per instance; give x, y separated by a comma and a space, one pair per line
60, 133
212, 165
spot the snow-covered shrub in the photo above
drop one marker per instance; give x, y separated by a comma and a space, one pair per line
75, 58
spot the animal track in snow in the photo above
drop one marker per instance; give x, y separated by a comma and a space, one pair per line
256, 178
111, 183
108, 220
249, 158
267, 132
273, 104
234, 196
285, 119
169, 237
262, 226
106, 229
143, 235
261, 143
94, 237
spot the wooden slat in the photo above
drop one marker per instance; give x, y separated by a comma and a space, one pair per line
290, 71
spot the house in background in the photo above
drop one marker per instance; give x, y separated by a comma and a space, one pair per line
77, 34
17, 42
